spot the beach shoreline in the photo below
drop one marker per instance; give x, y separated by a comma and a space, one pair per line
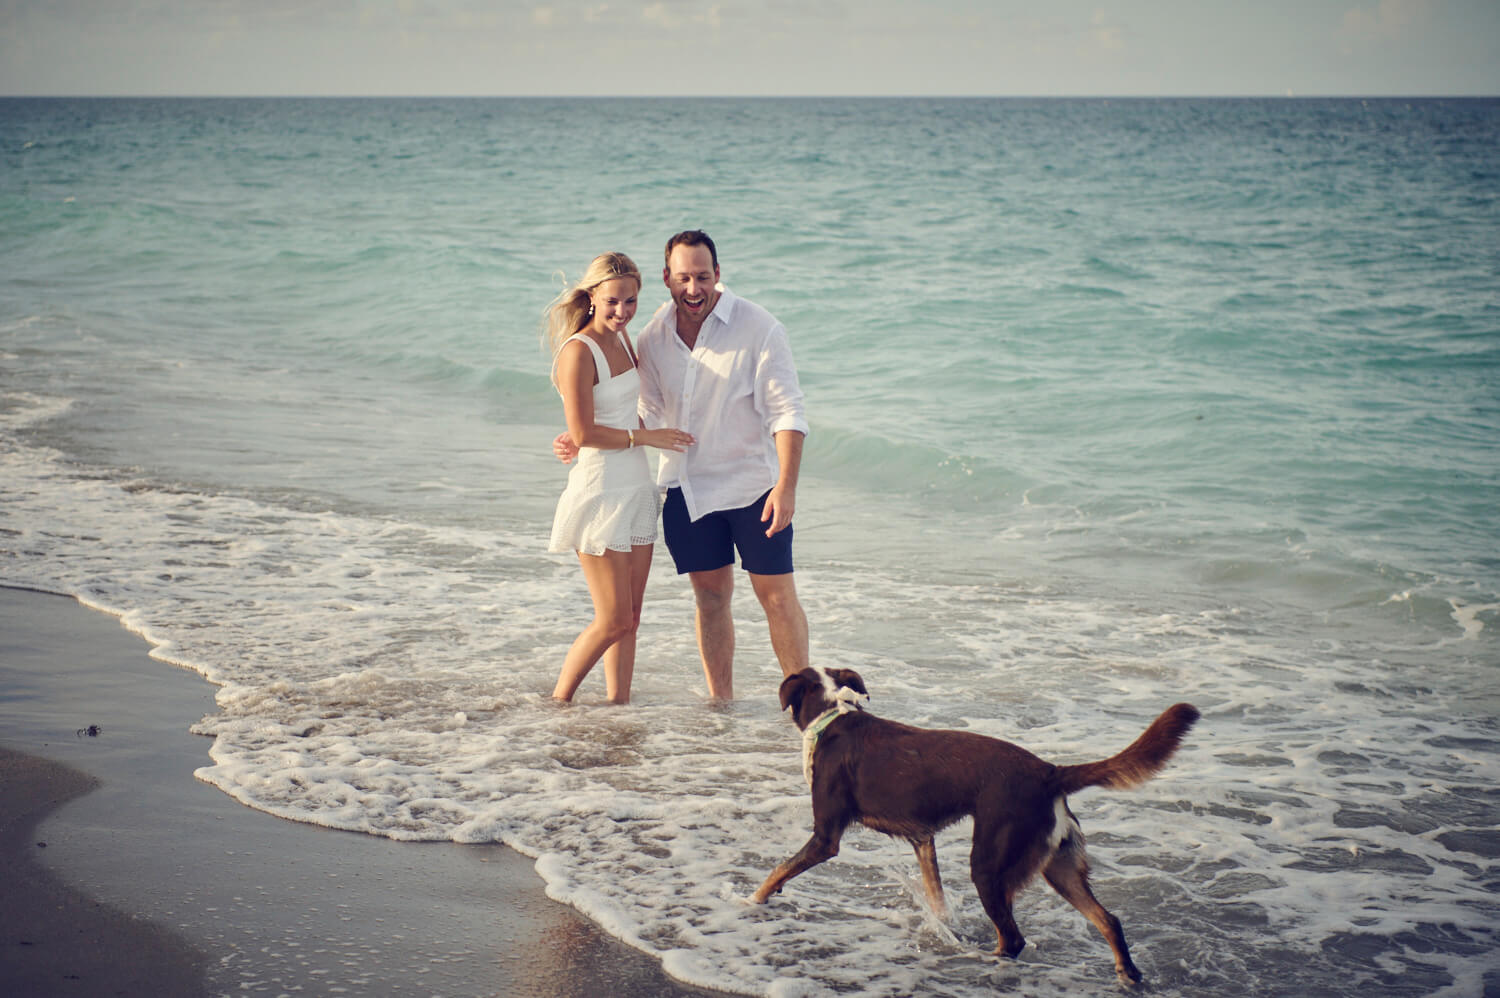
56, 940
152, 882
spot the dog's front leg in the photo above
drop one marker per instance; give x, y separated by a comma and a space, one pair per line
927, 862
818, 849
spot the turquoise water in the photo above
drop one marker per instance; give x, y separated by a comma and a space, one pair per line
1114, 403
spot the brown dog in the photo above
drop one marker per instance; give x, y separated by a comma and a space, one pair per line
911, 783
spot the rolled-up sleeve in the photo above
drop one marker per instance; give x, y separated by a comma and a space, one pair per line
778, 395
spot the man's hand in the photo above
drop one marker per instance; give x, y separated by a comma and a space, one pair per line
780, 505
564, 448
783, 498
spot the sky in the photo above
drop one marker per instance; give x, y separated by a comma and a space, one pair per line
750, 47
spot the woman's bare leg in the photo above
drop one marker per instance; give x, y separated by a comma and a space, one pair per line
619, 658
608, 578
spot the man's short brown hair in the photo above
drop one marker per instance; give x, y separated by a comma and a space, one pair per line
691, 237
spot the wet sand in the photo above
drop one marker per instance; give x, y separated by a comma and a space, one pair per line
124, 875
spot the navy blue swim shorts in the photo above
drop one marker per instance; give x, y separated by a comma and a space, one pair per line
710, 542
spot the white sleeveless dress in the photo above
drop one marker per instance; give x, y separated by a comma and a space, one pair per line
611, 501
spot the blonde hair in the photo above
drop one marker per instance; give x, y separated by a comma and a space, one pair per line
569, 311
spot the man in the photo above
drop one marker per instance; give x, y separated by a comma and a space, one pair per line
720, 367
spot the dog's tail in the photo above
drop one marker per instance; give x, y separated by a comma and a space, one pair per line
1137, 764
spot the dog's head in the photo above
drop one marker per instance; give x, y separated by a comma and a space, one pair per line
812, 691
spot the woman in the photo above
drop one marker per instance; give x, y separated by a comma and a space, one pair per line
608, 512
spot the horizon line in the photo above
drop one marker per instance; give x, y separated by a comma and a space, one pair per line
711, 97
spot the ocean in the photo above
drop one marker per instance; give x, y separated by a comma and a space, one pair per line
1114, 403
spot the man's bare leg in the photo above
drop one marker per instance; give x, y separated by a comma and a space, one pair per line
784, 616
714, 591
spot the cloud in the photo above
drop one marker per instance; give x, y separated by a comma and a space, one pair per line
660, 15
1390, 20
1104, 34
675, 15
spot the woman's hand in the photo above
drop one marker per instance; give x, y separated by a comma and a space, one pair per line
669, 438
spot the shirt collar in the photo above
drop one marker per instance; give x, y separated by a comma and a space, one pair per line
723, 310
724, 307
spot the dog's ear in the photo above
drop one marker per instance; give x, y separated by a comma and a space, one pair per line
849, 678
795, 687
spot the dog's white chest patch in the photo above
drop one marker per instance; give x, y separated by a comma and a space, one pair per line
845, 700
810, 736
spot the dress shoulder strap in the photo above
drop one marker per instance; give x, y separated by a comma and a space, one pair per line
628, 352
601, 364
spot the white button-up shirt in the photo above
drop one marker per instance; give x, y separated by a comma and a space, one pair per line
733, 391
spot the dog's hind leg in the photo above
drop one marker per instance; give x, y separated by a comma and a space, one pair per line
927, 861
1001, 861
1068, 873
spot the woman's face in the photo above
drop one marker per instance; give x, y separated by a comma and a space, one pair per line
614, 303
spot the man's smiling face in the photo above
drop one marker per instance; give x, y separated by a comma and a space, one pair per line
690, 276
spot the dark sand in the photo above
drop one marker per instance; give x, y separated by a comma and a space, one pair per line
124, 875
